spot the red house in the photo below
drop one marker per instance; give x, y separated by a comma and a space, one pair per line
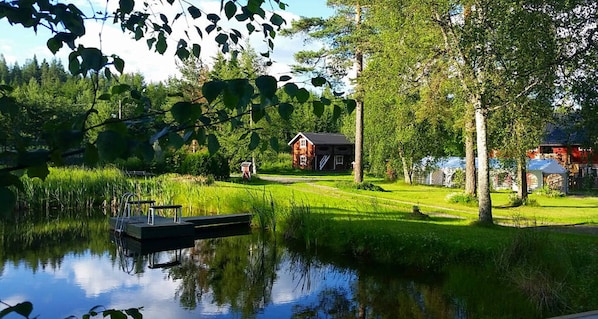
567, 147
322, 152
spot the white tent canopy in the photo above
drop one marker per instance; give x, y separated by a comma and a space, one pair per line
540, 173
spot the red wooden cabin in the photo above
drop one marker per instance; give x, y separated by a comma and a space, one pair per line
322, 152
567, 147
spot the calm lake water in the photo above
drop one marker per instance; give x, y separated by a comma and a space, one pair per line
243, 276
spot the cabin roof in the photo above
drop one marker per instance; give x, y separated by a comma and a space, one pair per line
322, 138
559, 135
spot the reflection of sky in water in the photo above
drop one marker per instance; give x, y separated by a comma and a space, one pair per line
84, 281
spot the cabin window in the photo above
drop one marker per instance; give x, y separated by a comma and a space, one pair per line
546, 149
303, 160
303, 143
338, 160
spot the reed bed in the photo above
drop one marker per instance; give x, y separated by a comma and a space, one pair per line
70, 192
72, 189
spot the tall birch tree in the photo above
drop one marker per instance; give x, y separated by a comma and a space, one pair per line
345, 37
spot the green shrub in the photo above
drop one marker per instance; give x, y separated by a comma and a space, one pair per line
515, 201
459, 179
280, 162
462, 198
367, 186
548, 192
587, 182
204, 164
171, 163
132, 164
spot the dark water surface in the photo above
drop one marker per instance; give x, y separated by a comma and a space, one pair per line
243, 276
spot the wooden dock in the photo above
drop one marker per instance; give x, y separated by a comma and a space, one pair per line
163, 227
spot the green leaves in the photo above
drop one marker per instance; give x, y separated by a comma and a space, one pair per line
285, 110
126, 6
185, 112
194, 12
277, 20
7, 197
24, 308
111, 145
84, 60
254, 141
291, 89
230, 9
213, 144
318, 81
351, 105
302, 95
318, 108
266, 84
161, 45
212, 89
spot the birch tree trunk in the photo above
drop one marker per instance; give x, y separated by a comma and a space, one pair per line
358, 165
484, 200
470, 172
522, 178
407, 175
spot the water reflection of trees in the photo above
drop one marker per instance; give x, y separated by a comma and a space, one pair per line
373, 292
371, 297
237, 272
43, 245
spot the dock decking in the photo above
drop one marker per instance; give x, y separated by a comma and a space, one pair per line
163, 227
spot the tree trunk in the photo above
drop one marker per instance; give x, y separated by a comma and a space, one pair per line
406, 168
484, 200
358, 165
470, 173
522, 177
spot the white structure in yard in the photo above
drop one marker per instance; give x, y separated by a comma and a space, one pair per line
540, 173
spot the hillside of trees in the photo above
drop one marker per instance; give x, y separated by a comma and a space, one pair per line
50, 97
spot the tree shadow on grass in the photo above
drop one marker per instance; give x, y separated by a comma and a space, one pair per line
392, 215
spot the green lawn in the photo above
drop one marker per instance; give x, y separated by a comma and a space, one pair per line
431, 199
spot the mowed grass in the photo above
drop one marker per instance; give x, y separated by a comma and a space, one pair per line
572, 209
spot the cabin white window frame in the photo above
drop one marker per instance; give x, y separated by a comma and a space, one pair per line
338, 160
303, 142
303, 160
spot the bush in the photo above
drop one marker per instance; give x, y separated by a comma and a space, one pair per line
132, 164
281, 162
515, 201
459, 179
367, 186
462, 198
172, 162
204, 164
548, 192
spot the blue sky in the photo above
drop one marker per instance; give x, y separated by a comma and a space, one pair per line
18, 44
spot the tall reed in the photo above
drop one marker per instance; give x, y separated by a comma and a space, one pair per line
72, 189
